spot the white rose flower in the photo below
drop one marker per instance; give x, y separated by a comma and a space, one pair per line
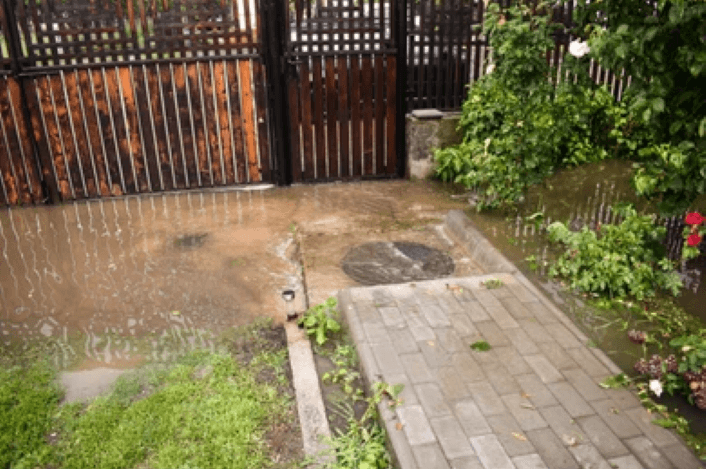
489, 69
656, 387
578, 49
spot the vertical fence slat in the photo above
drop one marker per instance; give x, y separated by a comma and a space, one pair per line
379, 115
91, 132
295, 121
259, 78
319, 119
367, 85
248, 120
151, 118
224, 122
391, 114
307, 134
331, 117
169, 125
236, 124
356, 121
343, 114
197, 125
84, 150
210, 117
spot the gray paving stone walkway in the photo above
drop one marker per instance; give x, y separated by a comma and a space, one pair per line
530, 402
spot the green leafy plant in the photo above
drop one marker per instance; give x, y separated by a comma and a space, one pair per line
480, 346
517, 126
321, 320
618, 260
345, 374
493, 283
661, 46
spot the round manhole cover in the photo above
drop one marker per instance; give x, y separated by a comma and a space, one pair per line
398, 262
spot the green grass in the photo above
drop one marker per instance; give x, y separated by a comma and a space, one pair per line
206, 411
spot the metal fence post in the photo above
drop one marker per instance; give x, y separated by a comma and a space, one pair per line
401, 39
273, 48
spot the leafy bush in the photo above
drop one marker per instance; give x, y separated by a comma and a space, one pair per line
661, 45
615, 260
320, 320
517, 127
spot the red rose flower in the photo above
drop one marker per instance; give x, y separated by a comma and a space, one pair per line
694, 218
693, 240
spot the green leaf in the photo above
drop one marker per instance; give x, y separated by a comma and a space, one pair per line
658, 104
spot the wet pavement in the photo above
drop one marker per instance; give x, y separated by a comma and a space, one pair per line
109, 283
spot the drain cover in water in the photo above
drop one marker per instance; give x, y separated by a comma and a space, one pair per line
190, 241
399, 262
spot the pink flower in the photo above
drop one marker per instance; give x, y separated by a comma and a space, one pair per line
694, 218
693, 240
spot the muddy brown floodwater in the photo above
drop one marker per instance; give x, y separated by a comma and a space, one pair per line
116, 281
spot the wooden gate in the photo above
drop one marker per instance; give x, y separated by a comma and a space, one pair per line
342, 80
103, 97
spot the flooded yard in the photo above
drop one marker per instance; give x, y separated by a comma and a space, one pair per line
113, 282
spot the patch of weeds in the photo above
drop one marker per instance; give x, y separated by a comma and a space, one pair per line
345, 373
29, 400
321, 320
493, 283
206, 410
480, 346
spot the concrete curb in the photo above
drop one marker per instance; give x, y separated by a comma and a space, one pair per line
491, 260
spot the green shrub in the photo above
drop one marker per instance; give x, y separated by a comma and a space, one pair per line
617, 260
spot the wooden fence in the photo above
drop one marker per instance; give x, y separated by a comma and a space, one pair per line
112, 97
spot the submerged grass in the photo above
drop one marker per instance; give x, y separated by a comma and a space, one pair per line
206, 410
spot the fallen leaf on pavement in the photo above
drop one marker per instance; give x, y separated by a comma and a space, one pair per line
519, 436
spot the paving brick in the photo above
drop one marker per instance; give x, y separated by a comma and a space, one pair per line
368, 313
376, 333
467, 368
515, 307
435, 316
565, 427
563, 336
492, 333
425, 295
475, 311
448, 339
540, 311
432, 400
462, 293
682, 457
391, 317
491, 453
470, 418
451, 384
367, 360
625, 462
451, 437
508, 356
618, 421
557, 356
585, 385
463, 326
381, 297
588, 457
407, 395
545, 370
469, 462
551, 449
522, 410
416, 368
430, 457
521, 292
572, 401
502, 292
387, 359
521, 341
434, 354
602, 437
450, 305
539, 394
485, 297
510, 435
403, 341
501, 379
529, 461
487, 398
658, 435
420, 330
648, 454
500, 315
535, 331
415, 425
589, 363
361, 294
624, 398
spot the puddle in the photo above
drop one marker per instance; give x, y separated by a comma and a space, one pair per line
111, 282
